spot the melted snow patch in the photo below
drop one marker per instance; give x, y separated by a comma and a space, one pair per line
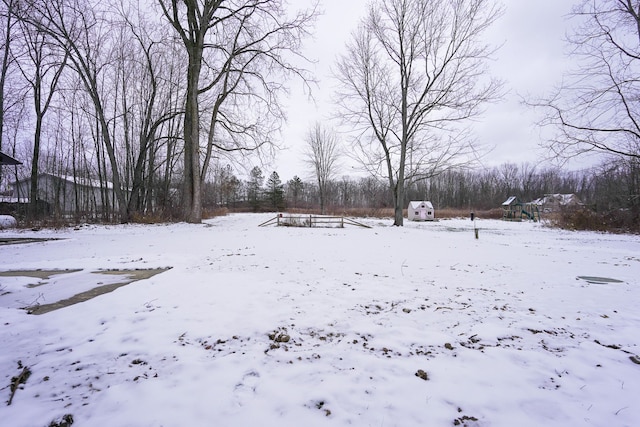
599, 280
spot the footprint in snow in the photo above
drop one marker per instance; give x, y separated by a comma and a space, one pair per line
246, 388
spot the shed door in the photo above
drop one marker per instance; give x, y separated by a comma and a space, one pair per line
423, 214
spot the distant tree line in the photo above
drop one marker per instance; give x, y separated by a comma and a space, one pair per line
606, 188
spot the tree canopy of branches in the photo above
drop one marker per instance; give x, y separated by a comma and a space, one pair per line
597, 109
239, 51
413, 73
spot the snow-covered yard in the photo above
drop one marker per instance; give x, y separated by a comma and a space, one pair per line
416, 326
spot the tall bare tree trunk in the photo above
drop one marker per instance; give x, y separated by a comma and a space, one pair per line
200, 18
192, 191
43, 61
4, 67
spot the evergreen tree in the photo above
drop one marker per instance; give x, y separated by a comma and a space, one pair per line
275, 192
295, 187
254, 188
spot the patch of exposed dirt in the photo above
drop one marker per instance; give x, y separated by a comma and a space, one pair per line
129, 276
135, 274
18, 240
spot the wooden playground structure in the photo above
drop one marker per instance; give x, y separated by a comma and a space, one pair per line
514, 210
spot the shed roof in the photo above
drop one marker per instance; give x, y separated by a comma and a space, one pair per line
7, 160
415, 204
511, 200
559, 199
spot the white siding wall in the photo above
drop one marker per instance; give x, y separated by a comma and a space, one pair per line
64, 195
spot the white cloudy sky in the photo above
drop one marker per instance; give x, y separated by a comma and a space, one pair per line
531, 61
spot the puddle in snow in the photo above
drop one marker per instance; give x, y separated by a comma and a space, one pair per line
18, 240
599, 280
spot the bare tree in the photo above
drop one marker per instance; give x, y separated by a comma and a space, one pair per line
8, 24
413, 73
192, 20
146, 89
596, 109
233, 46
42, 70
322, 155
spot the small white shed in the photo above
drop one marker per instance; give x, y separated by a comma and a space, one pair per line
420, 211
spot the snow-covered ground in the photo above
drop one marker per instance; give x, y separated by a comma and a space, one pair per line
272, 326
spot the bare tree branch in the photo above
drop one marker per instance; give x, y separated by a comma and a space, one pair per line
322, 155
596, 109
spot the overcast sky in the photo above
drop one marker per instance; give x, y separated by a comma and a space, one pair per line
531, 61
